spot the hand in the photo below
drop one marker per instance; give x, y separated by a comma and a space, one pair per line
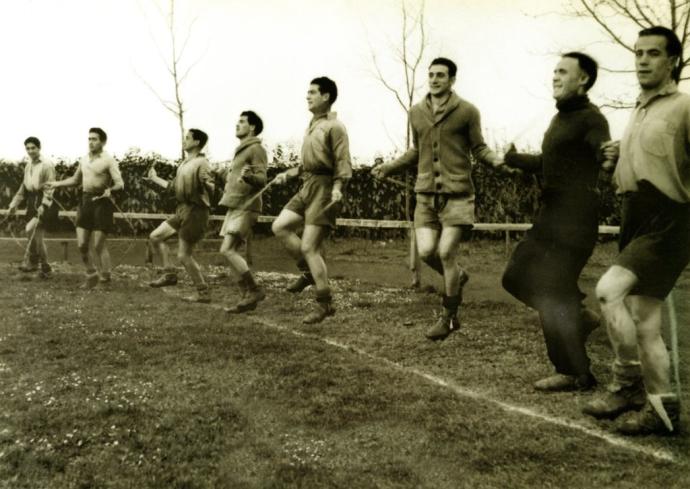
39, 212
378, 173
611, 152
280, 178
51, 185
336, 195
152, 173
508, 170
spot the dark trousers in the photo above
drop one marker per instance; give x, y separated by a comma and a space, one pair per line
544, 276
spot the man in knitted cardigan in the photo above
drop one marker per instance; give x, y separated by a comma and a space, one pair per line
544, 269
446, 134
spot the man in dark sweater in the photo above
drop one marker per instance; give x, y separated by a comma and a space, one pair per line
544, 269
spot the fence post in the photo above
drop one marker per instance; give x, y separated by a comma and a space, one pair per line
507, 233
65, 247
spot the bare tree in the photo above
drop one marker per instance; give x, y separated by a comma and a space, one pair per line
175, 65
616, 16
408, 52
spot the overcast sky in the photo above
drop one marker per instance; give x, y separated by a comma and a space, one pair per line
73, 64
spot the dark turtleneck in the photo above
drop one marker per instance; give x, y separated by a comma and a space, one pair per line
569, 163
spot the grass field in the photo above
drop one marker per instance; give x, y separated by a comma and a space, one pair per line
129, 387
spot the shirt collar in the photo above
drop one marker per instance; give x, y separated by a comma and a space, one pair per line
668, 89
247, 142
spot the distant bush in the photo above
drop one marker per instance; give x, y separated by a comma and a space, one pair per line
499, 198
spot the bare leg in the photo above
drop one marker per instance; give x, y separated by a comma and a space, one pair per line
284, 228
448, 249
101, 254
612, 291
654, 358
158, 237
231, 249
184, 254
83, 239
312, 239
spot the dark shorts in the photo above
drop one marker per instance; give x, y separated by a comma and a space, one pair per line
312, 198
190, 222
437, 211
95, 215
654, 242
50, 214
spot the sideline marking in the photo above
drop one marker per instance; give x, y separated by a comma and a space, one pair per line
615, 440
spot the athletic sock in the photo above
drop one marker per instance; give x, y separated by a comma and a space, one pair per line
248, 279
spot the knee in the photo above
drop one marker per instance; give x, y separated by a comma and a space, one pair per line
308, 249
609, 289
277, 228
182, 255
447, 255
426, 253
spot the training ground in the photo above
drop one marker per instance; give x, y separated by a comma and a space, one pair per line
126, 386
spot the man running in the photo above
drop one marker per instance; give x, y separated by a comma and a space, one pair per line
41, 211
544, 268
325, 168
245, 177
446, 130
653, 177
193, 184
99, 176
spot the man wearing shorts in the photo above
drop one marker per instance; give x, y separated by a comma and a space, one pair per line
193, 184
653, 178
324, 169
99, 175
245, 177
41, 211
544, 269
446, 130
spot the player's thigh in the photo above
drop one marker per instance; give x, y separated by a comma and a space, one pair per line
162, 232
287, 220
313, 237
427, 240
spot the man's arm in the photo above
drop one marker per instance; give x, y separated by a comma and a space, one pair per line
523, 161
598, 134
116, 176
480, 150
48, 176
206, 176
72, 181
406, 160
255, 172
340, 145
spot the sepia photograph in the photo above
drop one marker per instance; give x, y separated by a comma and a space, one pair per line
345, 244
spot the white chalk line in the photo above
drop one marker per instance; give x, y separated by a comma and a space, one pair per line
617, 441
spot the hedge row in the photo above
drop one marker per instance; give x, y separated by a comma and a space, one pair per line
499, 198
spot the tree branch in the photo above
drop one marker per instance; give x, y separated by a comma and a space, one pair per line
592, 12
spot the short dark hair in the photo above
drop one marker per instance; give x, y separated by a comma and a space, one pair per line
33, 140
101, 133
586, 64
199, 135
326, 86
254, 120
452, 67
673, 45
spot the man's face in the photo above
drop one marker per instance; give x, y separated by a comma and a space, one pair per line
32, 150
189, 141
316, 101
568, 79
652, 62
95, 143
243, 129
440, 82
